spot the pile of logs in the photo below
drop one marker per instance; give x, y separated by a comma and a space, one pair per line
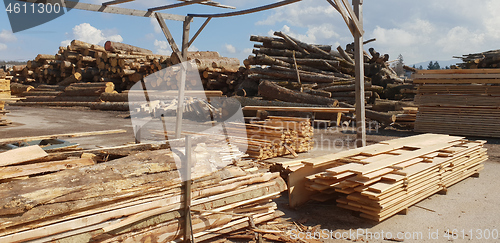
489, 59
274, 137
458, 101
313, 69
121, 64
134, 198
4, 95
384, 179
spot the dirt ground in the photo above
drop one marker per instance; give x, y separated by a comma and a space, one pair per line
470, 210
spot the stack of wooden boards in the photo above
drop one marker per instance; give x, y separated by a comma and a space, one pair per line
408, 117
121, 64
383, 179
315, 69
458, 101
4, 95
488, 59
136, 198
275, 136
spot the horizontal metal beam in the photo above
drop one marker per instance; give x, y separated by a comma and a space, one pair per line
116, 2
110, 9
247, 11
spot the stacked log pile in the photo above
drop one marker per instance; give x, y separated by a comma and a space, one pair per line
123, 65
275, 136
386, 178
135, 199
488, 59
4, 94
313, 69
458, 101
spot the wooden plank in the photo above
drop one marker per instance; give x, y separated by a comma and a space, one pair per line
302, 109
247, 11
21, 155
64, 135
460, 71
297, 192
456, 81
365, 169
115, 2
110, 9
458, 76
32, 169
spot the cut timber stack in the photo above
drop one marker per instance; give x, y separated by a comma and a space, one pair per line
135, 199
383, 179
408, 117
458, 101
276, 136
488, 59
4, 95
121, 64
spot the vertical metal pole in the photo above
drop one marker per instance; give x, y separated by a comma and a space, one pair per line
182, 85
186, 167
360, 77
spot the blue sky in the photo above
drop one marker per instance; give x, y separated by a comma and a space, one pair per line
419, 30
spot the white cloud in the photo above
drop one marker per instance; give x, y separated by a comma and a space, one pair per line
193, 48
420, 30
7, 36
230, 48
3, 47
162, 47
155, 25
88, 33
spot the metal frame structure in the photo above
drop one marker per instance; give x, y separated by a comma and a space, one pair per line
352, 17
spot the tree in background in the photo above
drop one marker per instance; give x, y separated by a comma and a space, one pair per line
433, 65
430, 66
398, 67
436, 65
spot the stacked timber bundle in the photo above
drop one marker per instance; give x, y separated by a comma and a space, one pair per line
407, 118
313, 69
135, 199
458, 101
386, 178
489, 59
75, 92
276, 136
4, 95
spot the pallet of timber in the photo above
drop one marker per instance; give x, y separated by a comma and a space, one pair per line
275, 136
5, 94
119, 200
385, 178
458, 102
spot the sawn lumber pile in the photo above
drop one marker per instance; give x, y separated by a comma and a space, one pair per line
4, 95
488, 59
275, 136
383, 179
459, 101
134, 199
